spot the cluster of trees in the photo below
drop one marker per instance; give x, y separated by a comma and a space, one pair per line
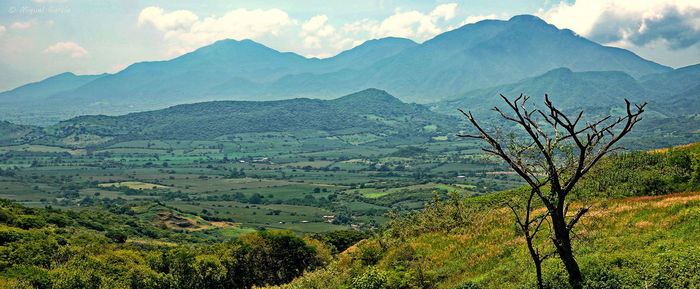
49, 248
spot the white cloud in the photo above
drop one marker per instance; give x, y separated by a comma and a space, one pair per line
176, 20
413, 24
71, 48
474, 19
317, 25
312, 42
237, 24
630, 21
2, 30
444, 11
315, 29
24, 25
51, 1
314, 36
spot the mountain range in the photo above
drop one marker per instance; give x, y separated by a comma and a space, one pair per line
476, 56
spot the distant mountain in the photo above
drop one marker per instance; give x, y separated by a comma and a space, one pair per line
475, 56
494, 52
566, 88
670, 94
678, 90
366, 54
672, 116
41, 90
371, 111
484, 54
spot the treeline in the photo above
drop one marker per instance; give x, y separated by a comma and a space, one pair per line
112, 248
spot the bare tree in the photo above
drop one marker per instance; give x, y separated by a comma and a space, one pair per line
529, 226
558, 152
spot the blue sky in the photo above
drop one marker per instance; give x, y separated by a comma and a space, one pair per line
39, 38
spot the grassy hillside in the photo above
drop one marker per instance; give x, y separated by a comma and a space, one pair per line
640, 233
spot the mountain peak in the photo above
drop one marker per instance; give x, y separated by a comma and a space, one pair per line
526, 18
390, 39
228, 43
558, 71
385, 46
370, 95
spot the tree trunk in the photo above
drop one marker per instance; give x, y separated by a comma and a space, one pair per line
562, 241
538, 263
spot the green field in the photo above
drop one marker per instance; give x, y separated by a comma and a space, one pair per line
258, 180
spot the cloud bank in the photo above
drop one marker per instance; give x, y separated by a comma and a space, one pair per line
67, 48
675, 23
315, 36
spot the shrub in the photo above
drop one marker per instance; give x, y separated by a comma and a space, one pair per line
29, 222
116, 236
370, 279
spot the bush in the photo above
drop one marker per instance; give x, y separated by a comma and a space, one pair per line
29, 222
370, 254
342, 240
116, 236
370, 279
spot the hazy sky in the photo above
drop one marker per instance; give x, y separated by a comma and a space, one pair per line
39, 38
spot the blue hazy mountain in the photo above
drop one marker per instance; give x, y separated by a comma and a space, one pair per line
485, 54
40, 90
475, 56
567, 88
679, 89
670, 94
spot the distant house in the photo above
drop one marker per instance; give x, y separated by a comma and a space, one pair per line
329, 218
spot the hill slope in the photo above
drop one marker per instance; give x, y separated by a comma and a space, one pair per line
369, 111
639, 234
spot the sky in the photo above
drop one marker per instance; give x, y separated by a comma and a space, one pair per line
40, 38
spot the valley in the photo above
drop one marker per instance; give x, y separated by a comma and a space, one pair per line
407, 148
262, 181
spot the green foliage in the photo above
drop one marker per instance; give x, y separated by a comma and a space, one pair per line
73, 250
371, 254
341, 240
468, 285
367, 111
371, 279
116, 236
408, 151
